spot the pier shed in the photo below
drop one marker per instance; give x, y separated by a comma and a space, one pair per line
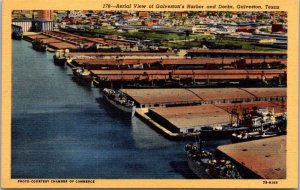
189, 119
192, 96
264, 158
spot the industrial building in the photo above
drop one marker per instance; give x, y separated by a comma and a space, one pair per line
34, 25
259, 159
192, 96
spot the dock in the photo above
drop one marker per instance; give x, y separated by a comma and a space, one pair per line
141, 114
196, 74
183, 120
192, 96
65, 40
162, 78
264, 158
161, 59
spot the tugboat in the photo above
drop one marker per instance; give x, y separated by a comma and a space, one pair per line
82, 75
38, 45
260, 123
119, 100
207, 165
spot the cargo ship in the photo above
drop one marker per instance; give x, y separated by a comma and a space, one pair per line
254, 124
17, 35
82, 75
261, 123
59, 58
220, 132
38, 45
207, 165
120, 101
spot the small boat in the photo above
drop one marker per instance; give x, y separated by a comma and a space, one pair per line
82, 74
119, 100
38, 45
207, 165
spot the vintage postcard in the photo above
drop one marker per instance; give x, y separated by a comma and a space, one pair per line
149, 94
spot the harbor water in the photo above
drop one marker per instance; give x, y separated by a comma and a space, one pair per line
62, 129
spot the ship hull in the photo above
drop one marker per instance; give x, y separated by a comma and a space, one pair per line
59, 61
197, 168
128, 110
83, 78
17, 36
235, 138
220, 134
39, 48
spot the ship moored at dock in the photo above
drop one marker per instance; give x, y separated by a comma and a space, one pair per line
82, 75
17, 32
119, 100
16, 35
205, 164
261, 124
38, 45
59, 58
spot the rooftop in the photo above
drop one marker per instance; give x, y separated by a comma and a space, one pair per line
30, 19
265, 157
236, 51
74, 54
165, 61
63, 45
158, 96
204, 115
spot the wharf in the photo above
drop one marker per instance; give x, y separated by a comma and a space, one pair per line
164, 78
192, 96
94, 55
63, 45
198, 74
190, 119
157, 60
141, 114
265, 158
52, 42
64, 40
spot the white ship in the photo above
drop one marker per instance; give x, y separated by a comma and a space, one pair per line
119, 100
261, 124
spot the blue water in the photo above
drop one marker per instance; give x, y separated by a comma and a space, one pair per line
61, 129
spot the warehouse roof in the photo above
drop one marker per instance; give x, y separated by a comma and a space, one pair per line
265, 157
159, 96
209, 114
